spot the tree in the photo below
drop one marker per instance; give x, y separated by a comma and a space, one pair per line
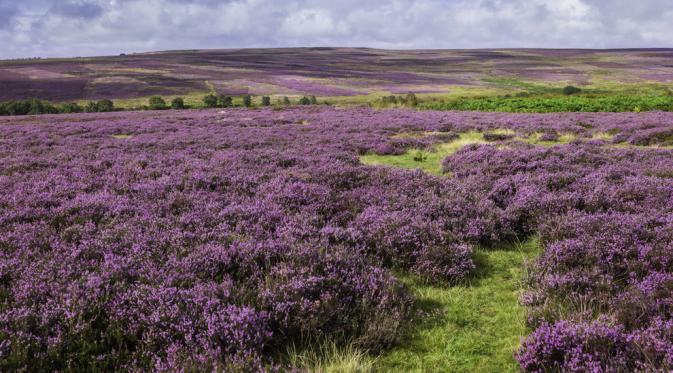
304, 101
157, 103
286, 101
247, 100
411, 99
178, 103
105, 106
91, 107
225, 101
570, 90
314, 101
266, 101
71, 108
210, 101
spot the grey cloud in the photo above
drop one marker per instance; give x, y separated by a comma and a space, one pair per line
95, 27
7, 13
78, 9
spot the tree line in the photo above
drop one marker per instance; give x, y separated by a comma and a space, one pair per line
34, 106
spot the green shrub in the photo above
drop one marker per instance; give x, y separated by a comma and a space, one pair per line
157, 103
570, 90
611, 103
210, 101
105, 106
247, 101
178, 103
411, 100
304, 101
71, 108
225, 101
286, 101
313, 100
266, 101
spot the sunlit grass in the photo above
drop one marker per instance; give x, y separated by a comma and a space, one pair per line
474, 327
329, 357
122, 136
431, 160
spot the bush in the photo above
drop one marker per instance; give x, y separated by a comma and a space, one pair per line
554, 104
71, 108
247, 101
266, 101
224, 101
210, 101
105, 106
570, 90
178, 103
411, 99
91, 107
286, 101
314, 101
27, 107
157, 103
304, 101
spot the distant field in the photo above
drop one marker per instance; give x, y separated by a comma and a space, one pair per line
338, 75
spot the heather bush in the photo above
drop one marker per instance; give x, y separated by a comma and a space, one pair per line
209, 242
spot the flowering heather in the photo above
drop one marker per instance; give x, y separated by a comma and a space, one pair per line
600, 294
324, 72
208, 240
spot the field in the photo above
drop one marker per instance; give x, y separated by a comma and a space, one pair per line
338, 239
338, 75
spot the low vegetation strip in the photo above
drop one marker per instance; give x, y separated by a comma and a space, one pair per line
552, 104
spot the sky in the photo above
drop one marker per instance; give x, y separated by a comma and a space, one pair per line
71, 28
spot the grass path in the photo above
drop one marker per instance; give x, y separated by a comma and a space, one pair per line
474, 327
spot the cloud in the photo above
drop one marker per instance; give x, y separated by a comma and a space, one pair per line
95, 27
77, 9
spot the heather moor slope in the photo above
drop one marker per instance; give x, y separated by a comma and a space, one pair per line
346, 74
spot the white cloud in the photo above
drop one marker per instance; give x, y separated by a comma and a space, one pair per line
90, 27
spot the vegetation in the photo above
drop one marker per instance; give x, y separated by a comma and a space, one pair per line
100, 106
266, 101
157, 103
210, 101
549, 104
27, 107
178, 103
247, 101
571, 90
224, 101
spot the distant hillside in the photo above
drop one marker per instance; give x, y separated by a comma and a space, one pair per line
331, 72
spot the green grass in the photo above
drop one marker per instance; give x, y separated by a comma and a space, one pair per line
432, 162
328, 357
474, 327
